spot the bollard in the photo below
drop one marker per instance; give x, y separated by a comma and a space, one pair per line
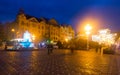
101, 51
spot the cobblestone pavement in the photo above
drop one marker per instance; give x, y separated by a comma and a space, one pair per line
60, 62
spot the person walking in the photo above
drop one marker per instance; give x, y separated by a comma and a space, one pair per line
72, 47
50, 48
97, 47
5, 47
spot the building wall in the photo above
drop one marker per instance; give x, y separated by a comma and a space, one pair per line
66, 33
42, 30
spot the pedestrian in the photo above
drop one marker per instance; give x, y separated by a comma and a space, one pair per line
50, 48
100, 47
5, 47
97, 47
72, 48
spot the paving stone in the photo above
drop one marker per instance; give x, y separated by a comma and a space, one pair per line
60, 62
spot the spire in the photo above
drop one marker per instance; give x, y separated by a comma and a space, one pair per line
21, 11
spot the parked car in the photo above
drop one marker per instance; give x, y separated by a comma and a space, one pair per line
55, 47
9, 45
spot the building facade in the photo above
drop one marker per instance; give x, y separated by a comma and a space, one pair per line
42, 28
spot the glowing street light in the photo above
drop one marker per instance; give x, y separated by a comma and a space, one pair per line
66, 40
13, 30
87, 29
87, 32
33, 37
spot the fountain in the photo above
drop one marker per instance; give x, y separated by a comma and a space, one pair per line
27, 41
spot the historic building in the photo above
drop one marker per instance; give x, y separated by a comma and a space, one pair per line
41, 28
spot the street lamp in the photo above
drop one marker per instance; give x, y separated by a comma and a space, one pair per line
13, 30
33, 37
87, 29
66, 40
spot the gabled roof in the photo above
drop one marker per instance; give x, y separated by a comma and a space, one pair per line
38, 19
53, 22
43, 19
46, 20
28, 16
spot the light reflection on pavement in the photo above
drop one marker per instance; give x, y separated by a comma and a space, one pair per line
60, 62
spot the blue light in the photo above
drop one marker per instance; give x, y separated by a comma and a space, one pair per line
27, 37
26, 43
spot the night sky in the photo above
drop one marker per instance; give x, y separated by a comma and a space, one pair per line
77, 13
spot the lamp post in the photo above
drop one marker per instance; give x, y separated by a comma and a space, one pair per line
33, 38
66, 43
87, 29
13, 30
66, 40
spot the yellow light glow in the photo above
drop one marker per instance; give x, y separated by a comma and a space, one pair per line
51, 41
13, 30
66, 40
33, 37
88, 27
87, 33
94, 23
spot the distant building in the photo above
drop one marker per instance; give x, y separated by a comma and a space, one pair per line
41, 28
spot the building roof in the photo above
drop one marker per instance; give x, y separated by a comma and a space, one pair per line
51, 21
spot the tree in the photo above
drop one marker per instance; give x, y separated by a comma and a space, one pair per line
59, 44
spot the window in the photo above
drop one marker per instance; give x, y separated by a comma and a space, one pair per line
32, 25
27, 24
39, 27
22, 23
43, 27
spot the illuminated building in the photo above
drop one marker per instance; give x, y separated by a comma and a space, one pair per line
66, 32
42, 28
